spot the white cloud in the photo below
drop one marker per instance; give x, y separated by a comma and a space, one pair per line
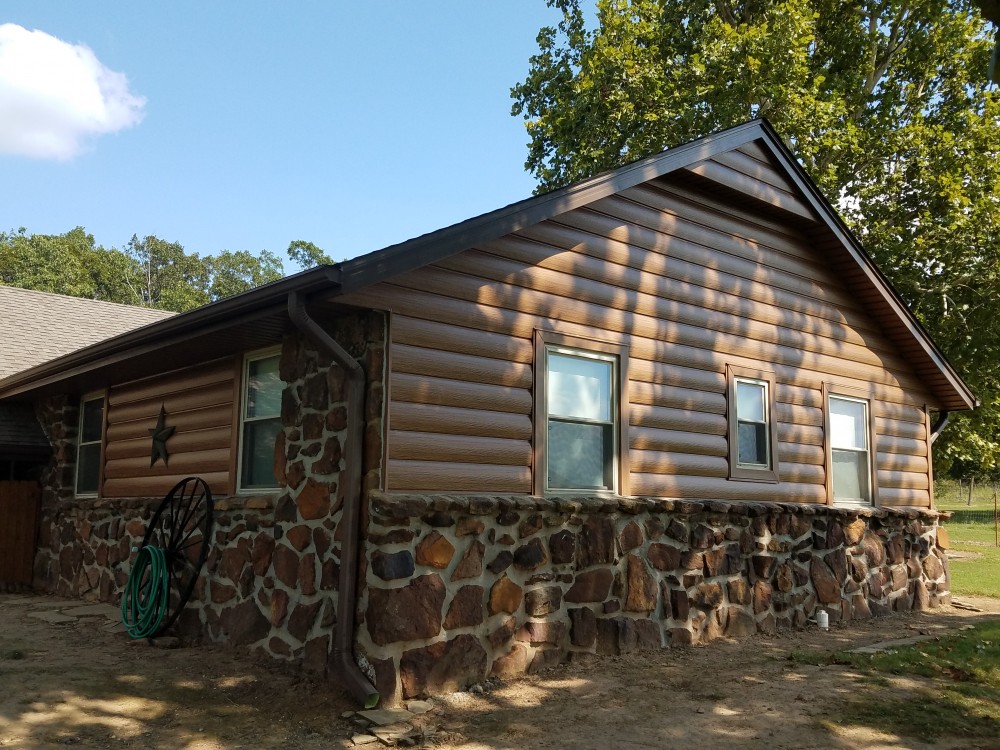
55, 96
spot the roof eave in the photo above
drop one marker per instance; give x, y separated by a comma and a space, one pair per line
253, 303
391, 261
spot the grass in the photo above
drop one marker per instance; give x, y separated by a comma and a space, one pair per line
978, 575
956, 692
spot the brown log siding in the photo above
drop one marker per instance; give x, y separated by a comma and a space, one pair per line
688, 285
198, 403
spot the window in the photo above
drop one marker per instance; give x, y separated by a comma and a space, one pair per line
848, 430
578, 424
88, 451
752, 428
260, 420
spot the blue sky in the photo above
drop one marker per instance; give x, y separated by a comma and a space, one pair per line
351, 125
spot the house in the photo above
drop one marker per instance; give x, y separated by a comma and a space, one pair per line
36, 327
673, 402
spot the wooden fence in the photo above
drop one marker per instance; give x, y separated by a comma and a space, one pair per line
18, 532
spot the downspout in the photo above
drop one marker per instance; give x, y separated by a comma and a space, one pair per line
942, 422
356, 681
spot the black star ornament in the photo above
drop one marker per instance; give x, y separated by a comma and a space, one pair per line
161, 433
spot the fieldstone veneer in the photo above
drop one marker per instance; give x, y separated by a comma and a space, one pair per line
271, 577
461, 588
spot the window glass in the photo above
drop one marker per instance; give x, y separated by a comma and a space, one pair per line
263, 388
258, 453
261, 422
92, 420
753, 439
581, 432
850, 467
578, 456
750, 400
753, 444
579, 387
850, 475
847, 424
88, 452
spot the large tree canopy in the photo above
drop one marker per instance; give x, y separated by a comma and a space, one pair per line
886, 104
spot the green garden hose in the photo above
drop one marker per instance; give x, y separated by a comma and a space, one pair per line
147, 593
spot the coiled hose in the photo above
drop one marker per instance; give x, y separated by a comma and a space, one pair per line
147, 593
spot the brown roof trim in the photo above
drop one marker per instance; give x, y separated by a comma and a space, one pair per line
255, 303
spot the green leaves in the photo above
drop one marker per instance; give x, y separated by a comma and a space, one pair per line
234, 272
149, 272
307, 255
886, 104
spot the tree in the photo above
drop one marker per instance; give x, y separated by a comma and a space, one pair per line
150, 273
235, 272
885, 103
307, 255
171, 279
67, 263
166, 277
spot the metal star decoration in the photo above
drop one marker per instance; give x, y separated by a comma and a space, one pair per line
160, 435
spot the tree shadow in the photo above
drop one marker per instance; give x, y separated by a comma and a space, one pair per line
76, 685
750, 692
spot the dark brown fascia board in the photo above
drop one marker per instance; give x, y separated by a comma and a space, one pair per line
217, 316
832, 220
383, 264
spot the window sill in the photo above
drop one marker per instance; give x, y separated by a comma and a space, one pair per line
762, 476
841, 503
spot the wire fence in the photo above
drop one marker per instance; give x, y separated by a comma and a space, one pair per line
972, 516
950, 494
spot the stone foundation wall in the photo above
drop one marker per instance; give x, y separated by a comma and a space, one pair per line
461, 588
271, 578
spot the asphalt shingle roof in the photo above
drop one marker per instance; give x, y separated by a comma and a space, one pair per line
36, 327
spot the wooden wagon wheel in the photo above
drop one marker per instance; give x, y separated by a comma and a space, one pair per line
182, 528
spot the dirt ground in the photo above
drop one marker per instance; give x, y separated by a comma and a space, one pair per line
79, 682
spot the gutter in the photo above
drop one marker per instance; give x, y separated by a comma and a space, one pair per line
215, 316
942, 422
356, 681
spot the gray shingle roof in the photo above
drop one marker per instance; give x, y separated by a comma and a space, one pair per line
36, 327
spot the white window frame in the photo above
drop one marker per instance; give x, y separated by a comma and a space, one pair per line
248, 358
767, 472
616, 355
869, 434
80, 443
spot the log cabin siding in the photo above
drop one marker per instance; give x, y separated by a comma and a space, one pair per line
689, 285
199, 404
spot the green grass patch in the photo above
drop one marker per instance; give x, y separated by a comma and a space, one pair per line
954, 692
978, 574
978, 535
